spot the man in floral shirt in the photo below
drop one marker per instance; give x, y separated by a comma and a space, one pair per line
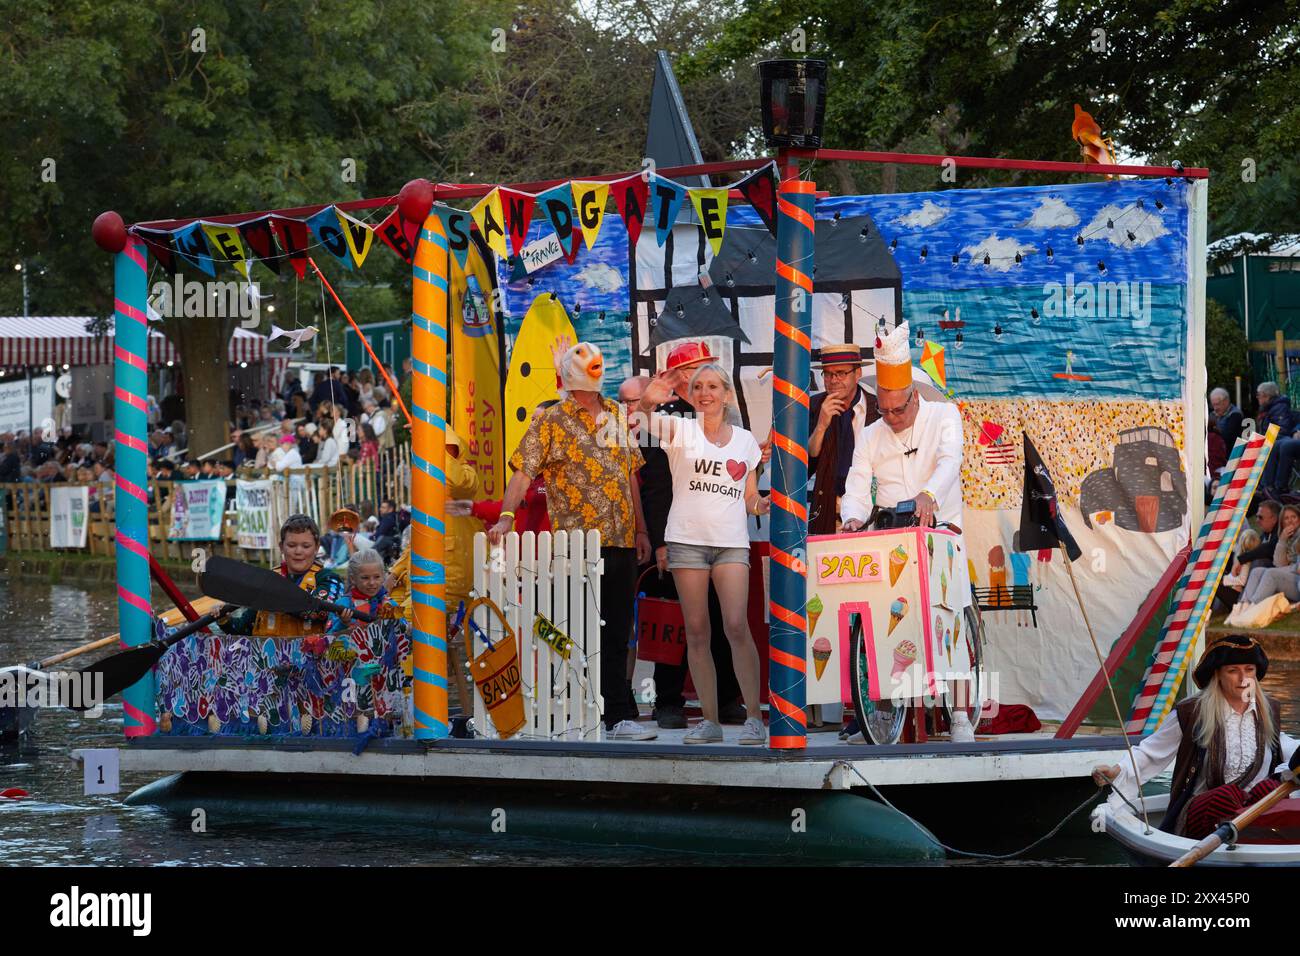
583, 451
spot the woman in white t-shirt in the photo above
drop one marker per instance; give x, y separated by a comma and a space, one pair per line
715, 488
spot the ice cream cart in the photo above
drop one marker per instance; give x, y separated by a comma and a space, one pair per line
892, 626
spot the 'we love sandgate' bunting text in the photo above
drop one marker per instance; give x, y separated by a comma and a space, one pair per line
574, 210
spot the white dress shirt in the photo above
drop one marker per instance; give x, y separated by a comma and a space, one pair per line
934, 466
1156, 752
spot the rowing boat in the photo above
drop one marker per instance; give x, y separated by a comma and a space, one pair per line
1273, 840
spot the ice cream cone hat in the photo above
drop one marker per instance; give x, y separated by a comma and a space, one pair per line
894, 358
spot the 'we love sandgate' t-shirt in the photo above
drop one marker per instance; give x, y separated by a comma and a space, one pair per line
709, 487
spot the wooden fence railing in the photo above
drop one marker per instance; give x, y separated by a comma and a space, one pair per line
315, 491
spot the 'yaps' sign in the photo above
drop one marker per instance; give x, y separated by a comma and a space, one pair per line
853, 567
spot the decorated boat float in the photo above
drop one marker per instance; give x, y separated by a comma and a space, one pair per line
896, 626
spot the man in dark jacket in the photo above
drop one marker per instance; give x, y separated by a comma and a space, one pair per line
328, 389
1227, 418
1267, 519
11, 467
1275, 409
837, 416
656, 501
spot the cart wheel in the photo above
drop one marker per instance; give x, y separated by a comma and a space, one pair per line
968, 696
881, 721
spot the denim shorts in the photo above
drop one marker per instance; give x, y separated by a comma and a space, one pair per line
703, 556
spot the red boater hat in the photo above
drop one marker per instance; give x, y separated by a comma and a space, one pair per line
688, 354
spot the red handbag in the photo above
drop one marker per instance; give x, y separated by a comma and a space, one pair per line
659, 627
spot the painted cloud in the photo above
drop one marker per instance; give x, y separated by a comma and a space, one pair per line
1052, 213
1001, 252
1144, 224
601, 277
926, 216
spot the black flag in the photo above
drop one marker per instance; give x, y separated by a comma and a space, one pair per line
1041, 525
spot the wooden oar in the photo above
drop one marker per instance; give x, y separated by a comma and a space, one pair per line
1228, 832
75, 652
250, 586
122, 670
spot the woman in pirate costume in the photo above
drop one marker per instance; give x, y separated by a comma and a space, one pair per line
1225, 743
299, 542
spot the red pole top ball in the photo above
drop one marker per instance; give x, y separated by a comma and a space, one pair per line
109, 232
415, 200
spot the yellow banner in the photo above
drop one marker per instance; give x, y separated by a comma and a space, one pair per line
491, 223
589, 200
711, 207
476, 370
227, 244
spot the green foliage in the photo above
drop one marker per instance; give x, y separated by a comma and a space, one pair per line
1209, 83
1225, 350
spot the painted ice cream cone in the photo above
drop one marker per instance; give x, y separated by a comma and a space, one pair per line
821, 649
904, 657
929, 546
897, 561
947, 644
815, 608
897, 611
951, 552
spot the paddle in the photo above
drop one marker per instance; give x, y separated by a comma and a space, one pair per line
1227, 832
249, 586
122, 670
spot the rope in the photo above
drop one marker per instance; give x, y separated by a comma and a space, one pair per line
1092, 798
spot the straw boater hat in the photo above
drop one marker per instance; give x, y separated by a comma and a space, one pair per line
894, 358
1231, 649
345, 519
845, 353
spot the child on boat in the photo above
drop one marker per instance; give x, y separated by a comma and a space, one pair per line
299, 541
380, 652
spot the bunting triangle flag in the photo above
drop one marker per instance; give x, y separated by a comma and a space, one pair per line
557, 206
572, 254
589, 198
517, 210
260, 241
294, 238
666, 198
711, 207
457, 224
358, 236
325, 226
487, 216
400, 235
932, 363
225, 241
191, 247
631, 196
759, 189
160, 247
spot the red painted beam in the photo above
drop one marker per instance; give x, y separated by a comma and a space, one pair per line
980, 162
1125, 644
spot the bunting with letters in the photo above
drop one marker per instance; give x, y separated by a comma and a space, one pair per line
259, 238
711, 207
590, 198
457, 224
666, 198
488, 217
399, 234
557, 205
357, 235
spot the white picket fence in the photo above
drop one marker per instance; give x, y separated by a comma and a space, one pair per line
556, 576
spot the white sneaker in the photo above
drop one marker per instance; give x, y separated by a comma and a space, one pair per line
962, 732
753, 732
705, 732
629, 730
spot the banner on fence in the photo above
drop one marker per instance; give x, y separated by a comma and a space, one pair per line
68, 510
299, 496
197, 510
21, 410
253, 504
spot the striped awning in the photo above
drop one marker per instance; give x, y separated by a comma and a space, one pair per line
63, 340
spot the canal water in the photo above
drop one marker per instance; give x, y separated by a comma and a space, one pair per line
59, 825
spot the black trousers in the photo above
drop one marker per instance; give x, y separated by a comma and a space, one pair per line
670, 679
616, 605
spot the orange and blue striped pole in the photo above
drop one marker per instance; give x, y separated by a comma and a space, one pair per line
429, 480
788, 627
131, 514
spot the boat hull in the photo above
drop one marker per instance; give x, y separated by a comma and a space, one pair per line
1157, 848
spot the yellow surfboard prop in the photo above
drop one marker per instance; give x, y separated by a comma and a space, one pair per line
531, 378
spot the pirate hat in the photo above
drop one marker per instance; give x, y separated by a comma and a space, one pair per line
1230, 649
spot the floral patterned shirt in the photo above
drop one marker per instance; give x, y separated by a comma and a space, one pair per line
588, 466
